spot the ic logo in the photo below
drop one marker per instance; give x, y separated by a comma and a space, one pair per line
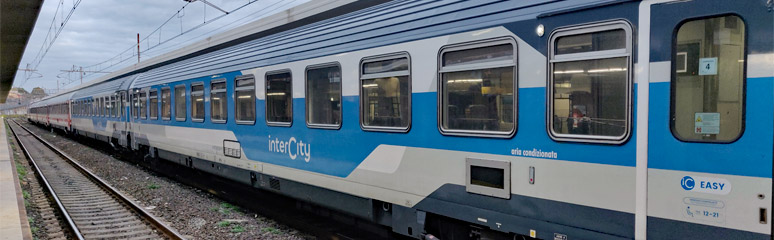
687, 183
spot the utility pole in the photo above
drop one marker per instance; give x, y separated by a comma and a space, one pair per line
31, 71
80, 71
138, 47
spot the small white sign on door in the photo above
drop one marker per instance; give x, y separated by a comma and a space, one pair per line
708, 66
706, 123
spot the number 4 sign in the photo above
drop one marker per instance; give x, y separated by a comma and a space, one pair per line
708, 66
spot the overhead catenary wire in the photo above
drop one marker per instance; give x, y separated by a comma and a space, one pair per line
48, 43
130, 53
238, 21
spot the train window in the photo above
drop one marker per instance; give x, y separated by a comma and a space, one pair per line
180, 104
109, 106
114, 105
244, 105
279, 98
166, 106
135, 104
709, 89
153, 95
385, 95
590, 84
121, 98
478, 88
143, 105
197, 102
218, 102
323, 96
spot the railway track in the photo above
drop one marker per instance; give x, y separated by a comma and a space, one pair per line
90, 208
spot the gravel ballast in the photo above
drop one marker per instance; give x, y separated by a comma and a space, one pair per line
194, 213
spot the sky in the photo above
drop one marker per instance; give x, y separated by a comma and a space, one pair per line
101, 30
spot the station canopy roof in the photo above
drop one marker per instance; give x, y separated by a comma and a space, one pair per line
17, 19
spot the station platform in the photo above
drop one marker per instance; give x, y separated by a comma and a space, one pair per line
13, 216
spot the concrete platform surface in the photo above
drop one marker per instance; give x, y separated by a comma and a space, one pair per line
13, 217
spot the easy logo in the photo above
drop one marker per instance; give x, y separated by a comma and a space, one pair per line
688, 183
720, 186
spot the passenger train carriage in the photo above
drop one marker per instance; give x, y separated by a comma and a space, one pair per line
482, 119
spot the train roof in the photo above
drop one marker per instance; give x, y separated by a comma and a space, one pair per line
388, 23
320, 28
54, 99
300, 15
106, 87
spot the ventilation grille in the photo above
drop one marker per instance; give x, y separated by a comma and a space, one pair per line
274, 184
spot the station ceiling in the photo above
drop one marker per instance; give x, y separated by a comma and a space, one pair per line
17, 19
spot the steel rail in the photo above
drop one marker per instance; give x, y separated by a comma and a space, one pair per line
165, 229
62, 209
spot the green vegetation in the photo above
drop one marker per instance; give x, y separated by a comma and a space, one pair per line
153, 186
271, 230
21, 171
26, 196
33, 229
237, 229
225, 208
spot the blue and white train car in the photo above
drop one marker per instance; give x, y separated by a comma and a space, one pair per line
483, 119
99, 110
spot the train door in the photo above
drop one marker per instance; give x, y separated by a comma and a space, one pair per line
123, 114
710, 120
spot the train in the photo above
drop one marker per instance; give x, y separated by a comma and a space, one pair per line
448, 119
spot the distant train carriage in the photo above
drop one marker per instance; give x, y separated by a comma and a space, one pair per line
53, 112
474, 119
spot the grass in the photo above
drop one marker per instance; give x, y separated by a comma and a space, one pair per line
237, 229
271, 230
26, 196
21, 170
33, 229
153, 186
225, 208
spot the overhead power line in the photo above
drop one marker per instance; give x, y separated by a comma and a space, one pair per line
154, 39
53, 33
